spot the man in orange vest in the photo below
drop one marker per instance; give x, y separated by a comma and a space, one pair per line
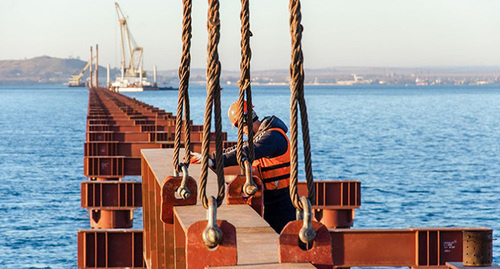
272, 164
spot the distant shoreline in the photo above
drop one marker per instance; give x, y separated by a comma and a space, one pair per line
50, 70
28, 84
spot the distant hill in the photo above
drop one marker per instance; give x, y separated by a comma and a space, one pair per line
51, 70
42, 69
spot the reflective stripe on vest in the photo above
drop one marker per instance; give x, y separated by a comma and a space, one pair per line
275, 172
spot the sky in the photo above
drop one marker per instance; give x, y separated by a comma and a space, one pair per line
386, 33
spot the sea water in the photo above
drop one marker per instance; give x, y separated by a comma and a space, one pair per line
426, 157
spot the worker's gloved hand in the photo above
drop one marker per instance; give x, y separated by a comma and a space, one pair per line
197, 157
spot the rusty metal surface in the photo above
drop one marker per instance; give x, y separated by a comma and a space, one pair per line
109, 136
110, 249
334, 194
199, 256
335, 202
111, 166
362, 248
251, 231
111, 195
119, 127
319, 254
179, 244
115, 148
235, 194
148, 210
411, 247
109, 219
169, 199
477, 248
159, 236
334, 218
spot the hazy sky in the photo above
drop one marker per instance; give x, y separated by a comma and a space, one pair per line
337, 32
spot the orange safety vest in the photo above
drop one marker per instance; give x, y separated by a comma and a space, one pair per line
275, 172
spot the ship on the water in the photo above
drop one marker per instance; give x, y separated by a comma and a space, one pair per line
77, 80
133, 78
137, 83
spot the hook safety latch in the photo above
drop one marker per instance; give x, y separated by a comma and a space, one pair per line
249, 188
212, 235
183, 191
307, 233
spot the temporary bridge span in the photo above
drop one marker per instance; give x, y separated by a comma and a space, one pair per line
126, 137
194, 217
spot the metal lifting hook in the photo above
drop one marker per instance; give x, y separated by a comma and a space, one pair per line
212, 235
183, 191
249, 188
307, 233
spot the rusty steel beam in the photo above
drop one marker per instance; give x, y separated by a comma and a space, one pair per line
412, 247
116, 116
196, 136
134, 128
118, 128
128, 128
150, 134
114, 128
137, 136
114, 148
335, 194
132, 149
117, 195
133, 109
104, 158
133, 122
363, 248
117, 136
127, 108
116, 248
158, 235
335, 202
166, 243
111, 166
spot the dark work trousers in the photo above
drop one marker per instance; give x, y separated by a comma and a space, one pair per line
278, 208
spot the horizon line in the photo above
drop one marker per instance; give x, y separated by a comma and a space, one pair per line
305, 68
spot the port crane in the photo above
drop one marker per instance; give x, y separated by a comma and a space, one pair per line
128, 46
75, 80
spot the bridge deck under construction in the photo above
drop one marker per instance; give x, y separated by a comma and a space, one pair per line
126, 137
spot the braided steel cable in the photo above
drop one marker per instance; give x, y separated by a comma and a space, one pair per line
183, 102
245, 88
213, 100
297, 98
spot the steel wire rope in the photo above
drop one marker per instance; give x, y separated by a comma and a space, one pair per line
183, 101
297, 98
213, 104
245, 159
245, 88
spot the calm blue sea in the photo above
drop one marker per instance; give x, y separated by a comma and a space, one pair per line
426, 156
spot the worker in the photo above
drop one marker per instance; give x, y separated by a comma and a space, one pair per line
272, 163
